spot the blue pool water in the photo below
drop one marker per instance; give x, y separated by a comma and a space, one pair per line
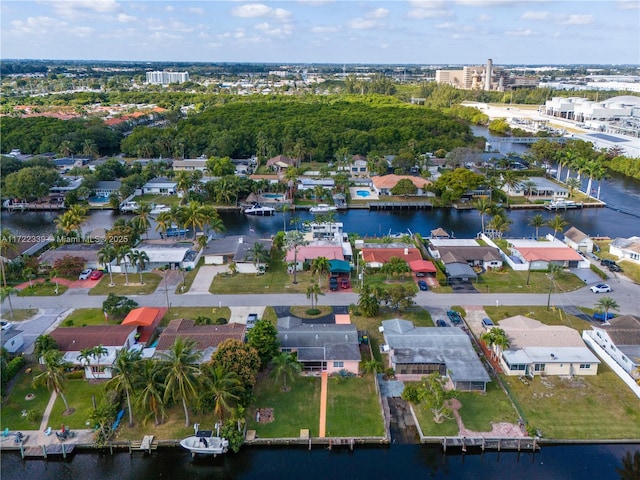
363, 193
99, 199
272, 195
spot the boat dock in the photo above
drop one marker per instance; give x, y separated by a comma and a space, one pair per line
497, 444
399, 206
45, 451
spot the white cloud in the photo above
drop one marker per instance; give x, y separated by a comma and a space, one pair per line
377, 13
196, 10
169, 8
361, 24
428, 9
251, 10
627, 4
483, 17
43, 25
274, 30
123, 18
531, 15
489, 3
522, 32
319, 29
76, 8
446, 26
576, 19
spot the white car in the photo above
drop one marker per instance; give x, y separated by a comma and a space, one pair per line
5, 325
84, 274
600, 288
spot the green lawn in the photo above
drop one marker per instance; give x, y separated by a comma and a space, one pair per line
192, 312
42, 290
419, 317
552, 316
19, 314
479, 410
274, 281
293, 410
88, 316
151, 282
158, 199
79, 394
448, 428
510, 281
11, 411
587, 408
353, 409
188, 277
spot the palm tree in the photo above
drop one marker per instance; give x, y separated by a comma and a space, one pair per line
6, 292
292, 240
483, 205
89, 148
224, 388
124, 375
29, 274
106, 255
259, 253
605, 304
313, 291
66, 148
43, 344
122, 255
53, 275
557, 224
501, 224
511, 181
194, 216
371, 366
164, 220
320, 266
7, 244
97, 352
53, 376
139, 259
150, 397
495, 337
529, 185
179, 367
143, 214
536, 222
184, 183
84, 355
573, 184
285, 366
630, 466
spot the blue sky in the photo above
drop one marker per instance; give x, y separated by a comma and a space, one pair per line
325, 31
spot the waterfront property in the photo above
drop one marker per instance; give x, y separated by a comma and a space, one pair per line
415, 352
159, 186
375, 255
539, 349
239, 249
325, 347
538, 255
620, 339
626, 249
537, 188
578, 240
383, 185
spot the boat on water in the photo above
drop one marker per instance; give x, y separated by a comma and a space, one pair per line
561, 204
257, 209
205, 443
129, 207
176, 232
159, 208
12, 204
323, 208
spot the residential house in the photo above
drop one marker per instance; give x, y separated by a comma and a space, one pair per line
578, 240
65, 164
383, 185
464, 251
271, 179
238, 249
207, 338
280, 163
12, 340
375, 255
87, 251
540, 187
311, 183
160, 186
540, 254
415, 352
423, 268
307, 253
146, 320
176, 256
539, 349
72, 340
620, 339
626, 249
190, 165
326, 347
358, 167
105, 188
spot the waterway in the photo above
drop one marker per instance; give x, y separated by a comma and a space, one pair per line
396, 462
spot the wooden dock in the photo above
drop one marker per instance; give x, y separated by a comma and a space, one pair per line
497, 444
146, 445
45, 451
399, 205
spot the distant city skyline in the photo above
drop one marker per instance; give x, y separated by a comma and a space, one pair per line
541, 32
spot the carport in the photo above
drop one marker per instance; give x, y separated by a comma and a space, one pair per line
339, 266
460, 271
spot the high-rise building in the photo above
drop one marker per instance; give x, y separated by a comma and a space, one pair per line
165, 78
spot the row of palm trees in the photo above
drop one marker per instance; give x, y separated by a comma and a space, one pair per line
123, 254
193, 215
582, 164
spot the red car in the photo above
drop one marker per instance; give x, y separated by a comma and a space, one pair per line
344, 283
96, 275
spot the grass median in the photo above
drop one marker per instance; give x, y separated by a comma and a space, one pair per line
134, 287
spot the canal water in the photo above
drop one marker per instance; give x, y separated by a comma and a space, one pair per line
598, 462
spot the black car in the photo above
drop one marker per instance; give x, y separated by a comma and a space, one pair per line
441, 323
614, 267
333, 284
606, 262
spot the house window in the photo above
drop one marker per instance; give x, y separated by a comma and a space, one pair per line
338, 364
517, 367
97, 369
585, 366
285, 350
539, 367
613, 348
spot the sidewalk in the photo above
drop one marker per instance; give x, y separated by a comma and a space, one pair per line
323, 405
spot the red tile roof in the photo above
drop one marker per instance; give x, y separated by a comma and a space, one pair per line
204, 335
390, 181
422, 266
383, 255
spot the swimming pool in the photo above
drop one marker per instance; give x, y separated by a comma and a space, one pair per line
99, 199
363, 193
272, 195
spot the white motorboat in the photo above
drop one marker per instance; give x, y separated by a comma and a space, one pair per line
159, 208
204, 443
323, 208
129, 207
257, 209
561, 204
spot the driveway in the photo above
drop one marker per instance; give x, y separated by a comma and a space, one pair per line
43, 322
460, 286
240, 314
204, 278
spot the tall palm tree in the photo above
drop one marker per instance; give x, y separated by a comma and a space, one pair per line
293, 239
194, 216
66, 148
164, 220
179, 367
106, 255
139, 259
320, 266
53, 376
98, 352
7, 244
313, 291
596, 171
124, 375
84, 355
573, 184
143, 215
89, 148
122, 256
605, 304
536, 222
557, 224
259, 254
6, 292
150, 397
224, 389
483, 205
500, 224
43, 344
184, 183
510, 180
285, 366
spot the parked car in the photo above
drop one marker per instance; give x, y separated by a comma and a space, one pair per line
454, 316
4, 326
600, 288
601, 316
614, 267
252, 318
606, 262
344, 283
421, 274
84, 274
487, 323
96, 275
422, 285
333, 284
441, 323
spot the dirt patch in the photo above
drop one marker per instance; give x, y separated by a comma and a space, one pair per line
498, 430
264, 415
66, 413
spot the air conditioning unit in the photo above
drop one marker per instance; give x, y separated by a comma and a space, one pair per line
385, 348
381, 329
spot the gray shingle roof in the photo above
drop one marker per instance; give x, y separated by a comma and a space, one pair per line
319, 341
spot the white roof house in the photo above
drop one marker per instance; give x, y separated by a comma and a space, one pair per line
626, 249
160, 185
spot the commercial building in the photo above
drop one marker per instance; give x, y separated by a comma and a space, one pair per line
165, 78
